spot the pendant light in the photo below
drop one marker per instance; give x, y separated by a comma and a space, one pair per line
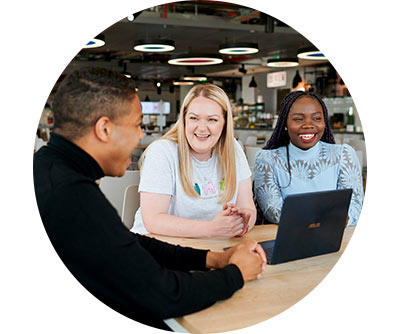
155, 45
253, 83
242, 69
195, 60
238, 48
282, 62
96, 42
125, 72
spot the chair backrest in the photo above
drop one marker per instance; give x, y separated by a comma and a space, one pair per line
114, 187
251, 141
360, 157
359, 145
241, 144
251, 154
130, 205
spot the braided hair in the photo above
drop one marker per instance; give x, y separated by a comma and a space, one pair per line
280, 136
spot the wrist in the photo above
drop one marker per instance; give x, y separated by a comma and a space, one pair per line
211, 260
215, 260
209, 231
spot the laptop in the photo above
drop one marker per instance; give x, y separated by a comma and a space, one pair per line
310, 224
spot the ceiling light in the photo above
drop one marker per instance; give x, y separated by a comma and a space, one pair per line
96, 42
310, 54
238, 48
195, 77
253, 83
157, 45
130, 17
195, 60
183, 83
282, 62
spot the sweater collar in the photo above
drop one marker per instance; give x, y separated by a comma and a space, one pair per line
79, 159
304, 153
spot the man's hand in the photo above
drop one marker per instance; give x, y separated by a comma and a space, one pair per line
250, 259
248, 256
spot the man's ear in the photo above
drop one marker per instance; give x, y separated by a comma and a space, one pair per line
103, 129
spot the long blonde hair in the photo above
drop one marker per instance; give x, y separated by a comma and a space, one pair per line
224, 149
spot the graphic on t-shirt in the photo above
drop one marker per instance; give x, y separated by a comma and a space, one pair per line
209, 188
222, 185
197, 188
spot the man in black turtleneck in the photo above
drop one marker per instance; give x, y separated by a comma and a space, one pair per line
97, 126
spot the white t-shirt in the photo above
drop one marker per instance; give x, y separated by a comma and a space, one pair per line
160, 175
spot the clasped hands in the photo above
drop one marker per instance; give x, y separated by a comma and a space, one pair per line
248, 256
231, 221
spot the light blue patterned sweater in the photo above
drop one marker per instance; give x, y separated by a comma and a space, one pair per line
322, 167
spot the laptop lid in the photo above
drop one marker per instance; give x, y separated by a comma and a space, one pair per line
310, 224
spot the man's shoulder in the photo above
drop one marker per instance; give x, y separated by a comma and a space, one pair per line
55, 180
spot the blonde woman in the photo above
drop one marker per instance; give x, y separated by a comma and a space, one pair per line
195, 181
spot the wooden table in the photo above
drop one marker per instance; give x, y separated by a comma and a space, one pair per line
280, 286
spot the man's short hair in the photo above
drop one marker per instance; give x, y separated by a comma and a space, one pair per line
87, 94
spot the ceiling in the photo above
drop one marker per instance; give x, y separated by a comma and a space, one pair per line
196, 27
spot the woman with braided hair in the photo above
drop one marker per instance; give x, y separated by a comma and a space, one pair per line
301, 156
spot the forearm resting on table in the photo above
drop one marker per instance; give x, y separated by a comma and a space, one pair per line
166, 224
216, 260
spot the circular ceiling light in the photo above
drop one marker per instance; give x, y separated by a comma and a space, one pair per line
183, 83
238, 48
311, 54
195, 60
158, 45
195, 77
96, 42
282, 62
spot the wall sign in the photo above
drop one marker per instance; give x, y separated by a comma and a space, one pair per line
276, 79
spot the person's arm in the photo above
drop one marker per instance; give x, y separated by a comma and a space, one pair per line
266, 188
157, 220
119, 268
245, 203
187, 258
222, 259
350, 177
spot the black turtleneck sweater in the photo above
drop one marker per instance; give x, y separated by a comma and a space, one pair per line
140, 277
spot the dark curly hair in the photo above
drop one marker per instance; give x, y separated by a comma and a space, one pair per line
280, 136
87, 94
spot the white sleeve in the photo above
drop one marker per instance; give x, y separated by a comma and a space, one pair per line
242, 166
158, 170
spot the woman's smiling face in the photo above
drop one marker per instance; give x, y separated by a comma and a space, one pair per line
305, 122
204, 122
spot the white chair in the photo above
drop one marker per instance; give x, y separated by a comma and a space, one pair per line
251, 141
241, 144
114, 187
359, 145
130, 205
360, 157
251, 154
339, 138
